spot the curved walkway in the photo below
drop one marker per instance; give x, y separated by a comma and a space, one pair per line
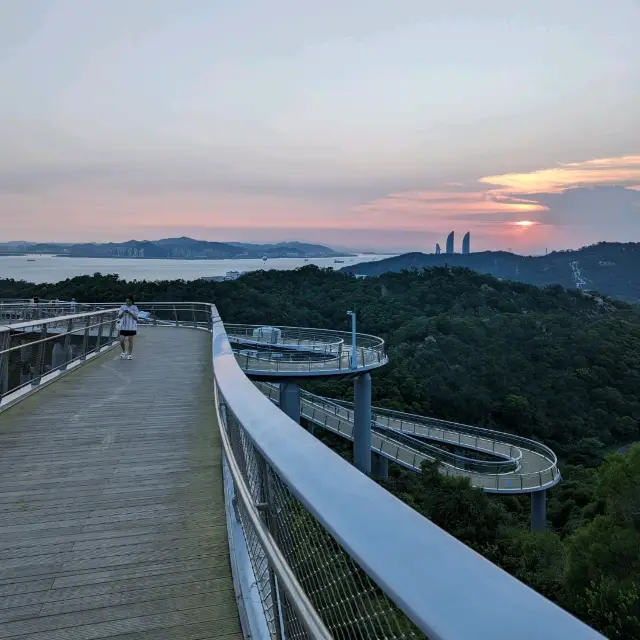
533, 471
267, 354
536, 463
275, 353
113, 521
270, 353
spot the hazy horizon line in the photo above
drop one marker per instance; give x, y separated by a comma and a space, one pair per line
355, 249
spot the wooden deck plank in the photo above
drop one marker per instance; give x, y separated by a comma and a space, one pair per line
112, 517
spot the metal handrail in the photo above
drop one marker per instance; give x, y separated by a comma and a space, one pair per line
413, 581
57, 320
312, 622
305, 353
46, 364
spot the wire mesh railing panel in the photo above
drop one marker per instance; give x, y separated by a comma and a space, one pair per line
31, 350
347, 600
248, 463
13, 312
182, 315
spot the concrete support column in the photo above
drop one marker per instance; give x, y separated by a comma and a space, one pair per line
290, 400
362, 423
539, 510
380, 466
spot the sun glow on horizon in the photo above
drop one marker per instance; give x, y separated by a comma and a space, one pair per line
525, 223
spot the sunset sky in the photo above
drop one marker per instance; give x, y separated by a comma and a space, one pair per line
378, 124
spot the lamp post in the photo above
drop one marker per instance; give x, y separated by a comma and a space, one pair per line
354, 358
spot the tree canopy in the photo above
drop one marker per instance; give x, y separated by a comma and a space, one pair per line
557, 365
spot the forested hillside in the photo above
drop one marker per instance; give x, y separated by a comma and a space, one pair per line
176, 248
609, 267
560, 366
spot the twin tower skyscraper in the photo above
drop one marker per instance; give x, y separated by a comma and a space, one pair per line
466, 244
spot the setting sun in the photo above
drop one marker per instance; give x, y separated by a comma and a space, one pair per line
524, 223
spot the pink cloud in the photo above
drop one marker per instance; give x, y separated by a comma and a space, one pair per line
402, 219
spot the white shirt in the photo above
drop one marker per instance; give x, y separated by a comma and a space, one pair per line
127, 323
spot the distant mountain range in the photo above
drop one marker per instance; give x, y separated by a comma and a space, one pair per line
173, 248
611, 268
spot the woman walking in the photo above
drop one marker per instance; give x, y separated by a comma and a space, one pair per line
128, 317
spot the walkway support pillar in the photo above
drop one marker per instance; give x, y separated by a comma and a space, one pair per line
380, 466
290, 400
362, 423
539, 510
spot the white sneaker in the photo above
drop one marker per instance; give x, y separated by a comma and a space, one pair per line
123, 355
129, 356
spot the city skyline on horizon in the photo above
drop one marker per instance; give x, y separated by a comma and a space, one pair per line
351, 124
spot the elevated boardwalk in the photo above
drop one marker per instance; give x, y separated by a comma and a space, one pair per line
112, 520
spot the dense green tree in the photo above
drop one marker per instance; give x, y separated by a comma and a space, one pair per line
556, 365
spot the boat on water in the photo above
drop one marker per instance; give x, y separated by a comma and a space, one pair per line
31, 259
338, 261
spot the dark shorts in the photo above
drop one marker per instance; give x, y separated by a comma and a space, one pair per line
126, 333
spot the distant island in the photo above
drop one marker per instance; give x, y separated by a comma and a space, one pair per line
612, 268
173, 248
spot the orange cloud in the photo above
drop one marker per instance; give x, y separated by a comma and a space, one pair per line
602, 172
499, 202
418, 209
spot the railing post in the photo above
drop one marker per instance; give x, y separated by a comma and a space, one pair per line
195, 321
5, 343
101, 324
85, 338
60, 352
270, 519
112, 330
175, 315
67, 346
35, 381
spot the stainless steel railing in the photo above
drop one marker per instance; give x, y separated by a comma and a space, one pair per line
12, 312
266, 350
33, 350
352, 561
